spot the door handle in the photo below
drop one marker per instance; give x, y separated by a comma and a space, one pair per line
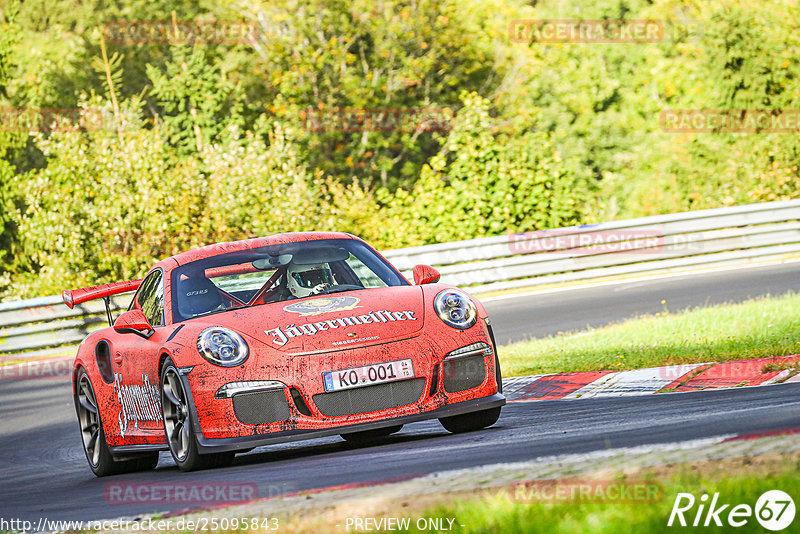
118, 358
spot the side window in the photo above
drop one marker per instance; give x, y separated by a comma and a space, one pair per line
366, 275
150, 298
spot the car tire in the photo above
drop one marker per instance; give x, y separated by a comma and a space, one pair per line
367, 436
178, 425
470, 421
98, 454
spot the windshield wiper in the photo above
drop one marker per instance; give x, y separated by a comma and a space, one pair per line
214, 312
342, 288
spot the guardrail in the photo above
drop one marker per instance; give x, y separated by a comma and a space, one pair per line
706, 237
44, 326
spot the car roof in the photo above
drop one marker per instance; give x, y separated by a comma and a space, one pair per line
216, 249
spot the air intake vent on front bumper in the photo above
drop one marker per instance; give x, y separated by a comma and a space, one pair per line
299, 402
463, 372
259, 407
370, 398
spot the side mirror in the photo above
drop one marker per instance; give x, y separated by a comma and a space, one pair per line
133, 322
425, 274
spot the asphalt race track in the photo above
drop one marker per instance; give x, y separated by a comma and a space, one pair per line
44, 472
527, 316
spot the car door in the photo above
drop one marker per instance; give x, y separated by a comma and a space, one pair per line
136, 377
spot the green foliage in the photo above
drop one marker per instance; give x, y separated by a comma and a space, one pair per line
749, 58
222, 141
100, 202
482, 184
112, 72
10, 142
325, 57
759, 328
61, 38
258, 188
8, 39
6, 207
107, 206
510, 512
194, 97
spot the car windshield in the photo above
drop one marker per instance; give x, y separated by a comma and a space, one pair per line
277, 273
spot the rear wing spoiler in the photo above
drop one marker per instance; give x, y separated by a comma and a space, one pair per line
77, 296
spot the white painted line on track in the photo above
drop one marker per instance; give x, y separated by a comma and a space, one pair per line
636, 279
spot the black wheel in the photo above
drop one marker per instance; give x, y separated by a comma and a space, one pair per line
470, 421
101, 461
366, 436
178, 425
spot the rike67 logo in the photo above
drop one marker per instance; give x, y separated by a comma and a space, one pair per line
774, 510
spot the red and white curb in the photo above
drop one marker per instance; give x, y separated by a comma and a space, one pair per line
688, 377
589, 384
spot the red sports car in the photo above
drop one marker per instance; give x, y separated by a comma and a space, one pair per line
294, 336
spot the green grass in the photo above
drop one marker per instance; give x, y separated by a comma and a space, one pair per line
759, 328
499, 512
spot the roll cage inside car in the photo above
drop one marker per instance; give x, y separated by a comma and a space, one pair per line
233, 276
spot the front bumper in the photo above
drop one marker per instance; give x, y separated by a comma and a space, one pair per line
439, 361
207, 445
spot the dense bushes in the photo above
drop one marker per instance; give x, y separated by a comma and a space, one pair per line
108, 205
210, 142
482, 184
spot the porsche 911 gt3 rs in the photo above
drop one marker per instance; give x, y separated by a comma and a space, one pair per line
293, 336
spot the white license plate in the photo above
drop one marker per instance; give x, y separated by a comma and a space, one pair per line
368, 374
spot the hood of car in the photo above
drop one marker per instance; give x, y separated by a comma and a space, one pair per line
331, 322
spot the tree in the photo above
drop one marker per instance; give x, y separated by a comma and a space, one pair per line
10, 141
394, 62
483, 184
197, 101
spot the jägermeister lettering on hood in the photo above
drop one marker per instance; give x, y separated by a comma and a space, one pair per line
281, 336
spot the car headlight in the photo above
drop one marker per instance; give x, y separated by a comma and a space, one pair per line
223, 347
455, 308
